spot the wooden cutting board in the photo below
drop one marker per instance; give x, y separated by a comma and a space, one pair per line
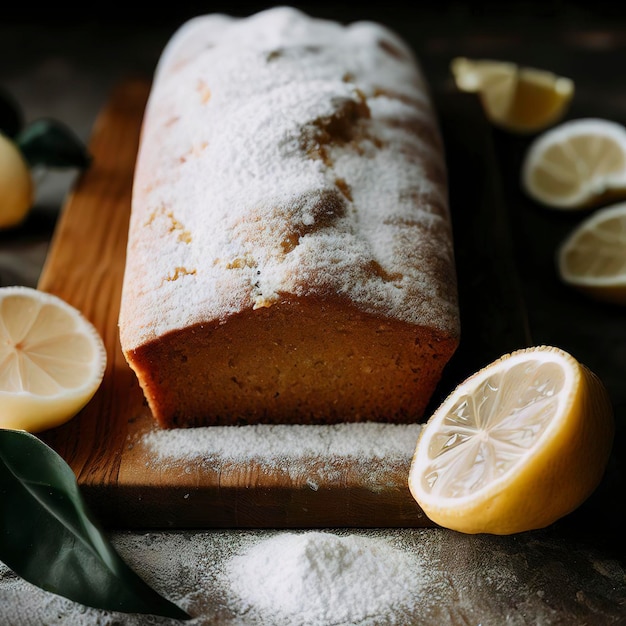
242, 477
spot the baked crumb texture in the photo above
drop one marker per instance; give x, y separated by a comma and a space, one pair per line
290, 255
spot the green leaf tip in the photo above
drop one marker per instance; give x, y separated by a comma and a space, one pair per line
51, 143
50, 538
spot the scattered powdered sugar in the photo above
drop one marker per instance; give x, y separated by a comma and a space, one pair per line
319, 578
427, 577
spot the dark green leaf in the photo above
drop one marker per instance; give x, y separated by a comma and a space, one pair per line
52, 144
49, 537
11, 120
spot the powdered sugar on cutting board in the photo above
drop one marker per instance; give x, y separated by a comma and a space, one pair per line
300, 451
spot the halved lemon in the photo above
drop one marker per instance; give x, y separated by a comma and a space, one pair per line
52, 360
16, 184
593, 257
516, 446
516, 98
577, 165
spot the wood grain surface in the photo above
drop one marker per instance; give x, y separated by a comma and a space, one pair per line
119, 476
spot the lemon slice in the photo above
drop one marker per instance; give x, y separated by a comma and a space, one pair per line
593, 257
577, 164
516, 446
515, 98
16, 185
52, 360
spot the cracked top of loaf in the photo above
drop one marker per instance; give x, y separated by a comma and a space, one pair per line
287, 156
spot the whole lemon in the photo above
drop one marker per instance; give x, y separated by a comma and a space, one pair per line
16, 184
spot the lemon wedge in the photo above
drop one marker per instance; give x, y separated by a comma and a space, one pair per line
16, 185
576, 165
52, 360
593, 257
516, 98
516, 446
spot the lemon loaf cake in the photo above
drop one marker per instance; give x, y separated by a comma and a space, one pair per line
290, 254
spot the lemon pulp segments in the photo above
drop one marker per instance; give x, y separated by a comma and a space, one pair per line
51, 359
486, 432
577, 164
41, 352
593, 256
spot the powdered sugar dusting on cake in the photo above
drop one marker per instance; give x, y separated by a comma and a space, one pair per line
286, 156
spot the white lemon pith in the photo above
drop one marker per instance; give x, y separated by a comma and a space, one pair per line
592, 258
16, 185
516, 446
576, 165
516, 98
52, 360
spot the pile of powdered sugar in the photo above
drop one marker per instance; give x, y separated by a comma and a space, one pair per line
320, 578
